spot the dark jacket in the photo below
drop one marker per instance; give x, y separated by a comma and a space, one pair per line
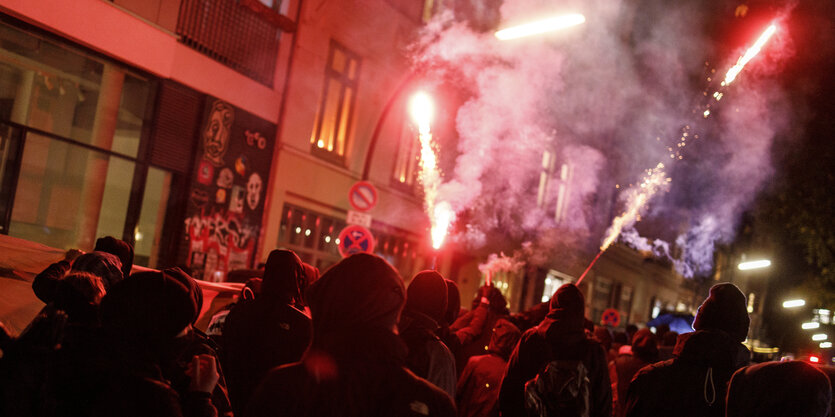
355, 364
258, 336
194, 343
621, 371
478, 388
102, 376
365, 377
778, 389
473, 329
693, 383
46, 282
427, 357
544, 343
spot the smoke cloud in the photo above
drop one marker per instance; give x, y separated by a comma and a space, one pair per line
552, 124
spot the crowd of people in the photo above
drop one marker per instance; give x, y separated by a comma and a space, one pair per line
358, 342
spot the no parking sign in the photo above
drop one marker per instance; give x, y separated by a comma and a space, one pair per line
354, 239
362, 196
610, 317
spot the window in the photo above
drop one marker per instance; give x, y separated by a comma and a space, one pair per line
77, 123
333, 119
545, 174
408, 157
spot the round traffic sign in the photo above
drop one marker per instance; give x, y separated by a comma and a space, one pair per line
354, 239
610, 317
362, 196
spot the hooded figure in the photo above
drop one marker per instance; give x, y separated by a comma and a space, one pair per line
473, 328
778, 389
116, 371
266, 332
426, 306
355, 364
694, 382
478, 387
560, 336
190, 343
644, 351
123, 250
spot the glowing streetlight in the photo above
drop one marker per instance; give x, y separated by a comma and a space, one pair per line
541, 26
819, 336
761, 263
810, 325
794, 303
826, 345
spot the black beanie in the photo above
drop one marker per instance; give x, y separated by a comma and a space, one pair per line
150, 308
284, 275
123, 250
427, 294
724, 309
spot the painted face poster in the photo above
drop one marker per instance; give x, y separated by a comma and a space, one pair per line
226, 201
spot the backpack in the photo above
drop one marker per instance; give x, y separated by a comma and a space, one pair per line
562, 388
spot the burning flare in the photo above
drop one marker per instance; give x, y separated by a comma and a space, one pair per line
749, 55
440, 214
541, 26
636, 199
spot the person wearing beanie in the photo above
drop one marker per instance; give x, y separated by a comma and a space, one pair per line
116, 370
102, 264
694, 382
426, 305
267, 331
356, 362
193, 342
642, 352
560, 337
123, 250
778, 389
478, 387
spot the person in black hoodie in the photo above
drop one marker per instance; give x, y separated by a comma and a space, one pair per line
779, 389
116, 370
694, 382
266, 332
428, 357
631, 358
560, 336
355, 364
478, 388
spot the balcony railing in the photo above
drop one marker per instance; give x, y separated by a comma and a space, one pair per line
241, 34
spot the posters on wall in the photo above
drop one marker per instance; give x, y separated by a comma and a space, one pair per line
226, 200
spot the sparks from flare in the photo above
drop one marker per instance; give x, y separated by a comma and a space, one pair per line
636, 199
440, 214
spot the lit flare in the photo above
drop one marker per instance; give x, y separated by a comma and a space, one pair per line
541, 26
749, 55
654, 180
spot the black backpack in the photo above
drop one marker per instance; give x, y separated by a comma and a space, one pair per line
561, 388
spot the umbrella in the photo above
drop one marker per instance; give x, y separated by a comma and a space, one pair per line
678, 322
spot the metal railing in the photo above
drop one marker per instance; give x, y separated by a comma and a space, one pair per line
232, 34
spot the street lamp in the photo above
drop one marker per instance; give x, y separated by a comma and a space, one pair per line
794, 303
826, 345
810, 325
819, 336
541, 26
758, 264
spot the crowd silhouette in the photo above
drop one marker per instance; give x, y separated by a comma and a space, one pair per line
358, 342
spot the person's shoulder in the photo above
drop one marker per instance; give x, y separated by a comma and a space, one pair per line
424, 398
655, 370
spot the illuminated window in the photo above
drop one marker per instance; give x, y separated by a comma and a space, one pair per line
408, 156
545, 174
566, 172
333, 119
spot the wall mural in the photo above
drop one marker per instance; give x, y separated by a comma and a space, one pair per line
226, 202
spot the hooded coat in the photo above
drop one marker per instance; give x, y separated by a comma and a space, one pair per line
473, 329
355, 365
428, 357
622, 369
478, 387
695, 381
115, 370
779, 389
560, 336
266, 332
104, 265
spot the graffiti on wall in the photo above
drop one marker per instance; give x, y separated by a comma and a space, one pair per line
223, 220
